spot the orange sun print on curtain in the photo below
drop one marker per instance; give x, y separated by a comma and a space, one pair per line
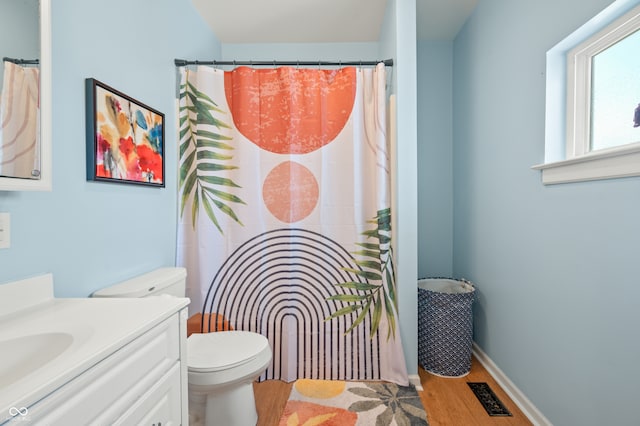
290, 111
290, 192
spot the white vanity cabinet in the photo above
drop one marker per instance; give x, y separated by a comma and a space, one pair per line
143, 382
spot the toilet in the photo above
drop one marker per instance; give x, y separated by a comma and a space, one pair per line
221, 365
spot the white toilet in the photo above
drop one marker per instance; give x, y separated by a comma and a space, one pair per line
222, 365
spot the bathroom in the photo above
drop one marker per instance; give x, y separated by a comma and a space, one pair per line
479, 213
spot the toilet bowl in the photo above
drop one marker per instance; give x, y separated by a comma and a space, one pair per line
222, 368
221, 365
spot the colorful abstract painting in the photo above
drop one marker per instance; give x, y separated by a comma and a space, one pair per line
125, 138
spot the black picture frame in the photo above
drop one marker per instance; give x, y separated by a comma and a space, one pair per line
125, 138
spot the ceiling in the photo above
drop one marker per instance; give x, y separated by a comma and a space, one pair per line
324, 21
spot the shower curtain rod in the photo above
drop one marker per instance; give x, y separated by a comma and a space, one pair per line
386, 62
21, 61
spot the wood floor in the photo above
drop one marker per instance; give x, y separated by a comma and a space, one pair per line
448, 402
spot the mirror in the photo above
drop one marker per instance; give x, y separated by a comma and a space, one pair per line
36, 175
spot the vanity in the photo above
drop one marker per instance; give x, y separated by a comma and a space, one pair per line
90, 361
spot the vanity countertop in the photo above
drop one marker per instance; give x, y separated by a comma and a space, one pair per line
84, 331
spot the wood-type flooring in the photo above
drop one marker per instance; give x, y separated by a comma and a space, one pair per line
448, 401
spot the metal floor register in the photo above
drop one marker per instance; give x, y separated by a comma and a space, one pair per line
488, 399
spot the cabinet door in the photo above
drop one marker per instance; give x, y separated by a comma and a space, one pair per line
160, 406
109, 389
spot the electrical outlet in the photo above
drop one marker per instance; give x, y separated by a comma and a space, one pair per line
5, 228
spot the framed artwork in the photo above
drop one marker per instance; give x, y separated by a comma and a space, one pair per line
125, 138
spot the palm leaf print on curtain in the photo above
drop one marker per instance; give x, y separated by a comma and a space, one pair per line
377, 271
285, 216
202, 155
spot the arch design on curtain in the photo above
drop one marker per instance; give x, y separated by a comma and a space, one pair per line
284, 279
285, 216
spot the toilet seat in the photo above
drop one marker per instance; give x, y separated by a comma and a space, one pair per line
223, 350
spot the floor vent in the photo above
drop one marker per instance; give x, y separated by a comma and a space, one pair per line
488, 399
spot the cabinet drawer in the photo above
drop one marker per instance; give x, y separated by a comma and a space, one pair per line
161, 405
101, 394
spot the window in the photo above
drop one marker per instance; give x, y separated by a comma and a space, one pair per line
599, 135
615, 95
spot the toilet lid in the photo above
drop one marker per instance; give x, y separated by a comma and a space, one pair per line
221, 350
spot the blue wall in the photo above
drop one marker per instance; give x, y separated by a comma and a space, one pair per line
435, 151
93, 234
556, 267
402, 42
301, 51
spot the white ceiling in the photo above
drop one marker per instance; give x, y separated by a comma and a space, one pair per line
324, 21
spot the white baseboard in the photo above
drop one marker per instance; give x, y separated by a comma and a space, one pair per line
414, 379
529, 410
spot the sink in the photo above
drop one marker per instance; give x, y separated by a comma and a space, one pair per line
46, 343
24, 354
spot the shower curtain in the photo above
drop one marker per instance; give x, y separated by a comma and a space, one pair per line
19, 121
285, 216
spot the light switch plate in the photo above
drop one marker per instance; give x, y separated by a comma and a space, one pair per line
5, 230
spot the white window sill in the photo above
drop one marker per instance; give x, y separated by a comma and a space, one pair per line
603, 164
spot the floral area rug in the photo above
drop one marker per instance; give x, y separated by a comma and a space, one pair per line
339, 403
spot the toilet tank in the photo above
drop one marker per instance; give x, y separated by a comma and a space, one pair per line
169, 281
